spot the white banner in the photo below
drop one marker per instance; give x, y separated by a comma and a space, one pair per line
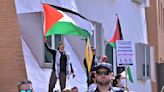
125, 52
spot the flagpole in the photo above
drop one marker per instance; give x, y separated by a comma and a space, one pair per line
114, 62
126, 74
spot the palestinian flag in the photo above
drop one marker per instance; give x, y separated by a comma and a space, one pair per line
59, 20
118, 36
130, 74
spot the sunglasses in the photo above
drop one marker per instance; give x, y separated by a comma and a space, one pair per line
28, 90
103, 72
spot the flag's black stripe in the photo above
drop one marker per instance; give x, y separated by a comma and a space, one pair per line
69, 11
121, 36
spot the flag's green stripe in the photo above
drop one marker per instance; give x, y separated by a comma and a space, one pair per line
130, 74
67, 28
113, 44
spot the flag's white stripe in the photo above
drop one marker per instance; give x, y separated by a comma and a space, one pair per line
77, 20
66, 18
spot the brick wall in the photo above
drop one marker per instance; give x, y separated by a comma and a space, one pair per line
12, 68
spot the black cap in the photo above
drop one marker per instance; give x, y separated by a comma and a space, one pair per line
108, 66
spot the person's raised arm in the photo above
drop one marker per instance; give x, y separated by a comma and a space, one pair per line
48, 47
72, 71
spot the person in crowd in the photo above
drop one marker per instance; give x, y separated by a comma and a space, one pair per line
162, 90
103, 77
74, 89
92, 65
66, 90
61, 66
103, 58
92, 85
117, 85
25, 86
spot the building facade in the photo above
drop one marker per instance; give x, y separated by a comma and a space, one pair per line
133, 25
155, 28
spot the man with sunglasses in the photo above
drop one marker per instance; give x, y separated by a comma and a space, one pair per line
103, 77
25, 86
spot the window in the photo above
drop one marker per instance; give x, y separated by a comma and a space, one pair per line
144, 57
51, 41
48, 55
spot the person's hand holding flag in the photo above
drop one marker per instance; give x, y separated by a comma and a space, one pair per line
73, 75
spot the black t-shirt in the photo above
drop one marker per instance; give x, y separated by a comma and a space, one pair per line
63, 62
97, 90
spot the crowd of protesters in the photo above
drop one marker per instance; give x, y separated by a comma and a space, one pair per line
99, 79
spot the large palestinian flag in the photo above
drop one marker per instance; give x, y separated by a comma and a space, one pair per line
59, 20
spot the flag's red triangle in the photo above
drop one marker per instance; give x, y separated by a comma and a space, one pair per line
51, 16
117, 35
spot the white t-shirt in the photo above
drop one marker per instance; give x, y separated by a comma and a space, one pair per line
93, 86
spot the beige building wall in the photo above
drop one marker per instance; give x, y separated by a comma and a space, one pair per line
152, 27
160, 19
155, 27
12, 68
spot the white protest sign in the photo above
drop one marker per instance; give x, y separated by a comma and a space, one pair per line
124, 53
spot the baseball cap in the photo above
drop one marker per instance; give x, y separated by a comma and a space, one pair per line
108, 66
